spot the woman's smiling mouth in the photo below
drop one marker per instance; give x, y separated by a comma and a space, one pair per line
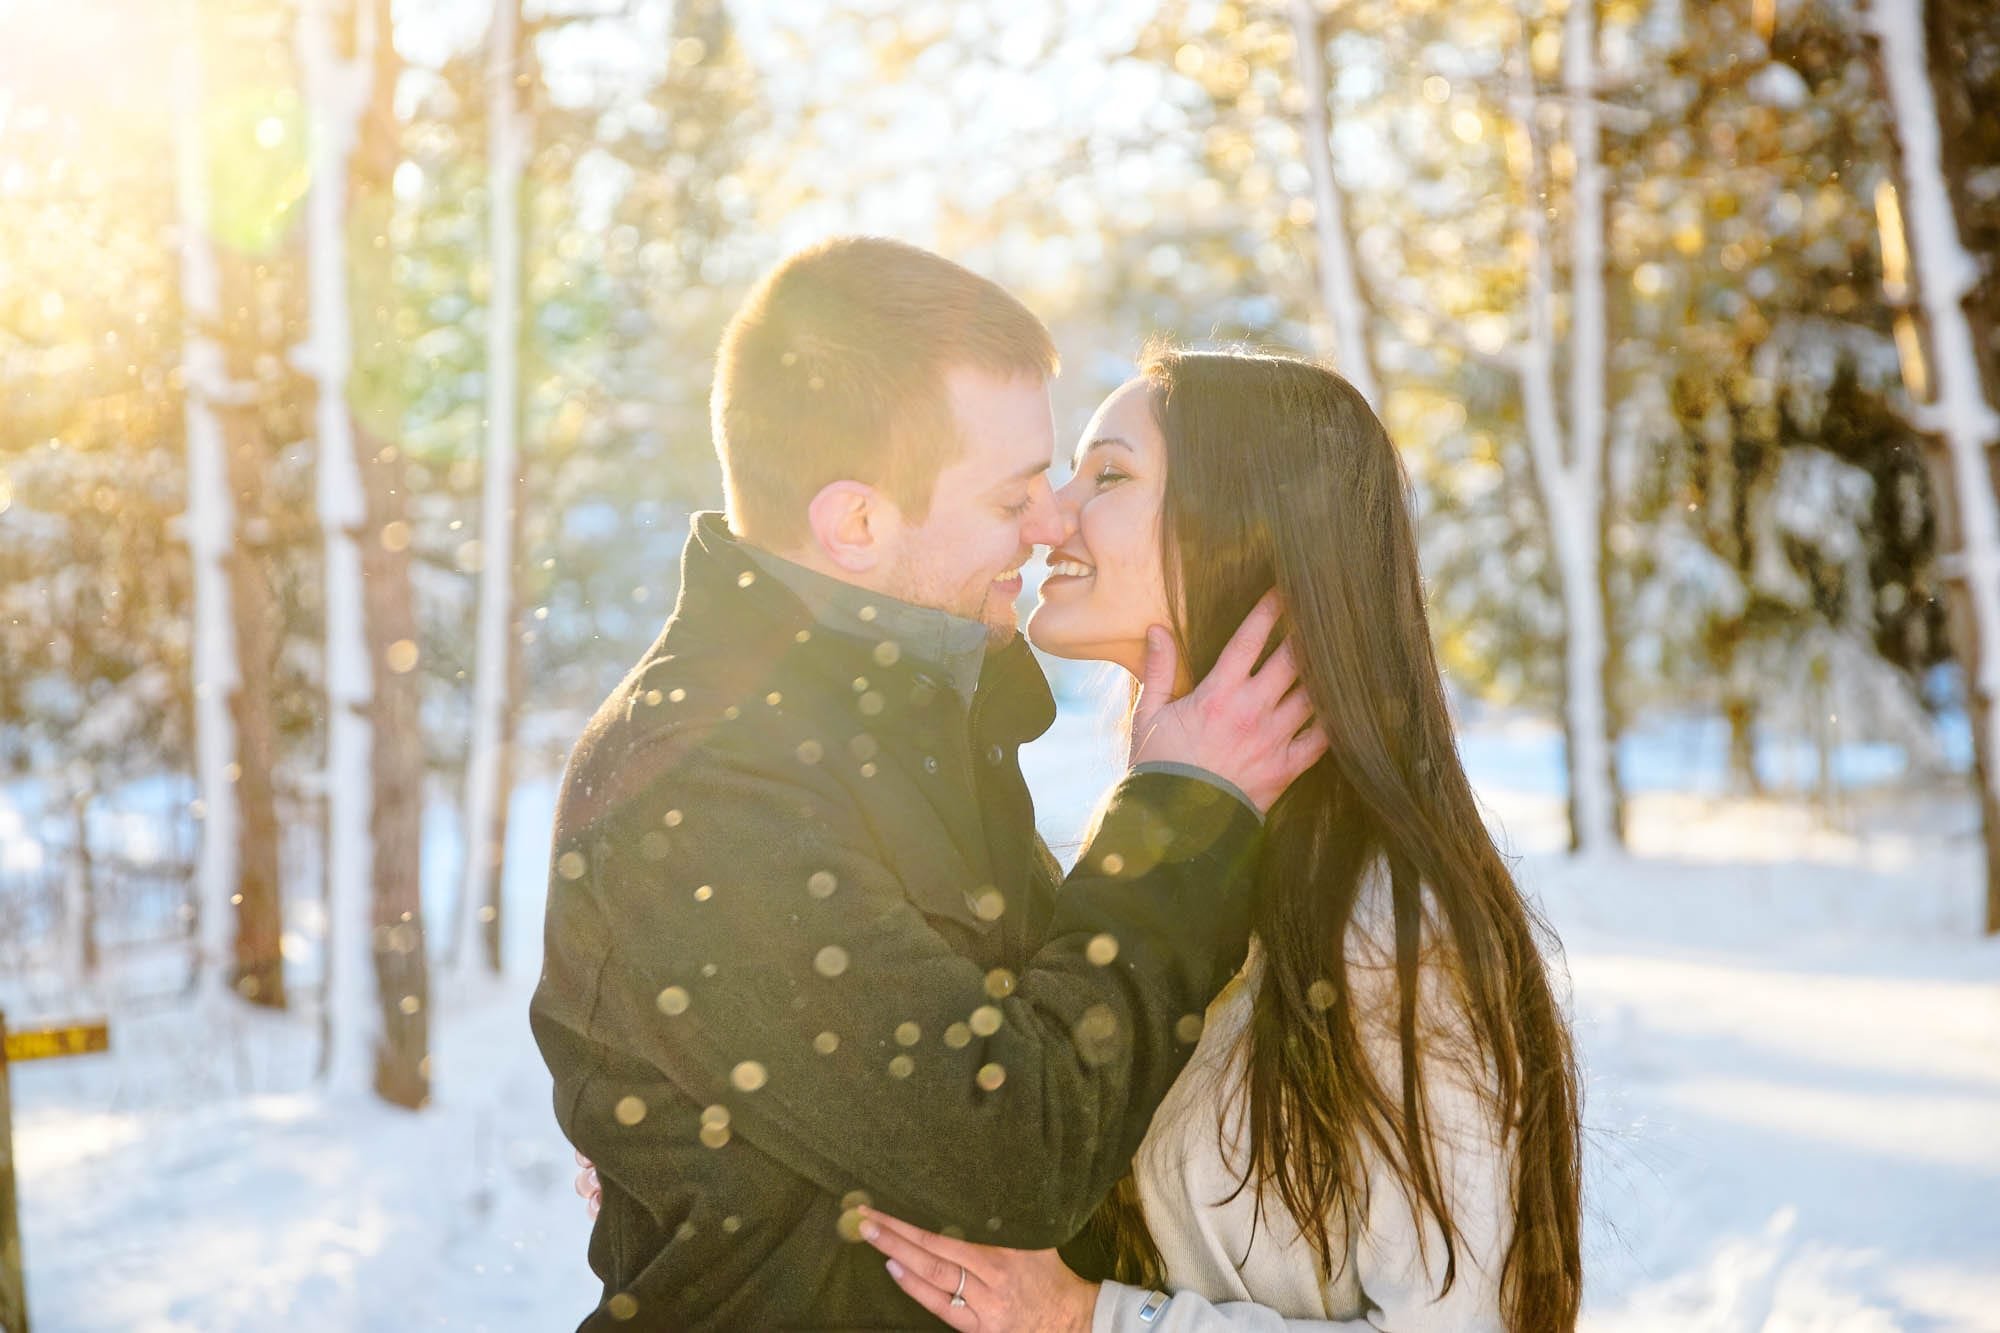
1068, 567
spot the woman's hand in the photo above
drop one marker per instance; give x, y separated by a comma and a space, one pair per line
1005, 1291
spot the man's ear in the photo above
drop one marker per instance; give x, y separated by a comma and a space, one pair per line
854, 525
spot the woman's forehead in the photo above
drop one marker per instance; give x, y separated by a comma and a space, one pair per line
1127, 414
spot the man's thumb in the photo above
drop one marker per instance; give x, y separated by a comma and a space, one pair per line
1156, 681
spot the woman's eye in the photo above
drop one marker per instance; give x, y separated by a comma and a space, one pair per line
1108, 475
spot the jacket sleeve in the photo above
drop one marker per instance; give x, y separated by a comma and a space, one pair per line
764, 958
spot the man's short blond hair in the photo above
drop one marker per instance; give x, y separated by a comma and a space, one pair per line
834, 369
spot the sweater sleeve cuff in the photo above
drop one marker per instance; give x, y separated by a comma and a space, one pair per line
1199, 774
1117, 1308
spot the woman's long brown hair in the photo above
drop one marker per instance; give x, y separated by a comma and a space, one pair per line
1279, 473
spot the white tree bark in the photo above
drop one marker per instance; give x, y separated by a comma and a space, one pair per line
1569, 462
1341, 302
1583, 600
79, 909
337, 90
486, 766
211, 524
1946, 275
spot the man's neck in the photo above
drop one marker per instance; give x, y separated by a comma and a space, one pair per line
952, 643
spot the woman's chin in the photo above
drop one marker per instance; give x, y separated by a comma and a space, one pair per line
1038, 632
1047, 632
1050, 633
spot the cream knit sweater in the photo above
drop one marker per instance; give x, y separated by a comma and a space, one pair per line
1230, 1269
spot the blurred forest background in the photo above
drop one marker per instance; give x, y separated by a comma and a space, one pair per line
354, 359
317, 318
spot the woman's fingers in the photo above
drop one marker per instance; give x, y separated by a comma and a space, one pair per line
931, 1280
944, 1247
915, 1257
933, 1298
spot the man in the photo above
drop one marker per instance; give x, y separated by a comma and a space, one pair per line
804, 948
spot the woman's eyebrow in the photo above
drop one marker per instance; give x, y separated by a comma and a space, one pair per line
1076, 464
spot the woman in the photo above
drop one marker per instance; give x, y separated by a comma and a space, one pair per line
1378, 1128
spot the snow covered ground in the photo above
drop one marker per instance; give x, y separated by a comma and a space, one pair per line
1793, 1050
1791, 1027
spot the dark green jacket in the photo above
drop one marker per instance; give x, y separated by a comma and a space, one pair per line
804, 948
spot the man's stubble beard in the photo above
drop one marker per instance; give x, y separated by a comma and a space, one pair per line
914, 582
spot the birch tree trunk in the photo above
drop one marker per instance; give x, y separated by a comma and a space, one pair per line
402, 970
211, 526
79, 902
337, 82
489, 760
401, 962
1594, 821
258, 974
1342, 304
1956, 380
1568, 461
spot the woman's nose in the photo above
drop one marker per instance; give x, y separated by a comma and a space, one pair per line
1053, 522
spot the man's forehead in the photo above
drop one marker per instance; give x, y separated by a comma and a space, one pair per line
1004, 459
983, 394
1007, 423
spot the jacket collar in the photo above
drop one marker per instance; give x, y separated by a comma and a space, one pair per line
938, 638
728, 598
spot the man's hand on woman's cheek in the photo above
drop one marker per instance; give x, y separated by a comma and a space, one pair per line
588, 1187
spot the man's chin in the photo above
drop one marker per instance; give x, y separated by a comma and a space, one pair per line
1001, 621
